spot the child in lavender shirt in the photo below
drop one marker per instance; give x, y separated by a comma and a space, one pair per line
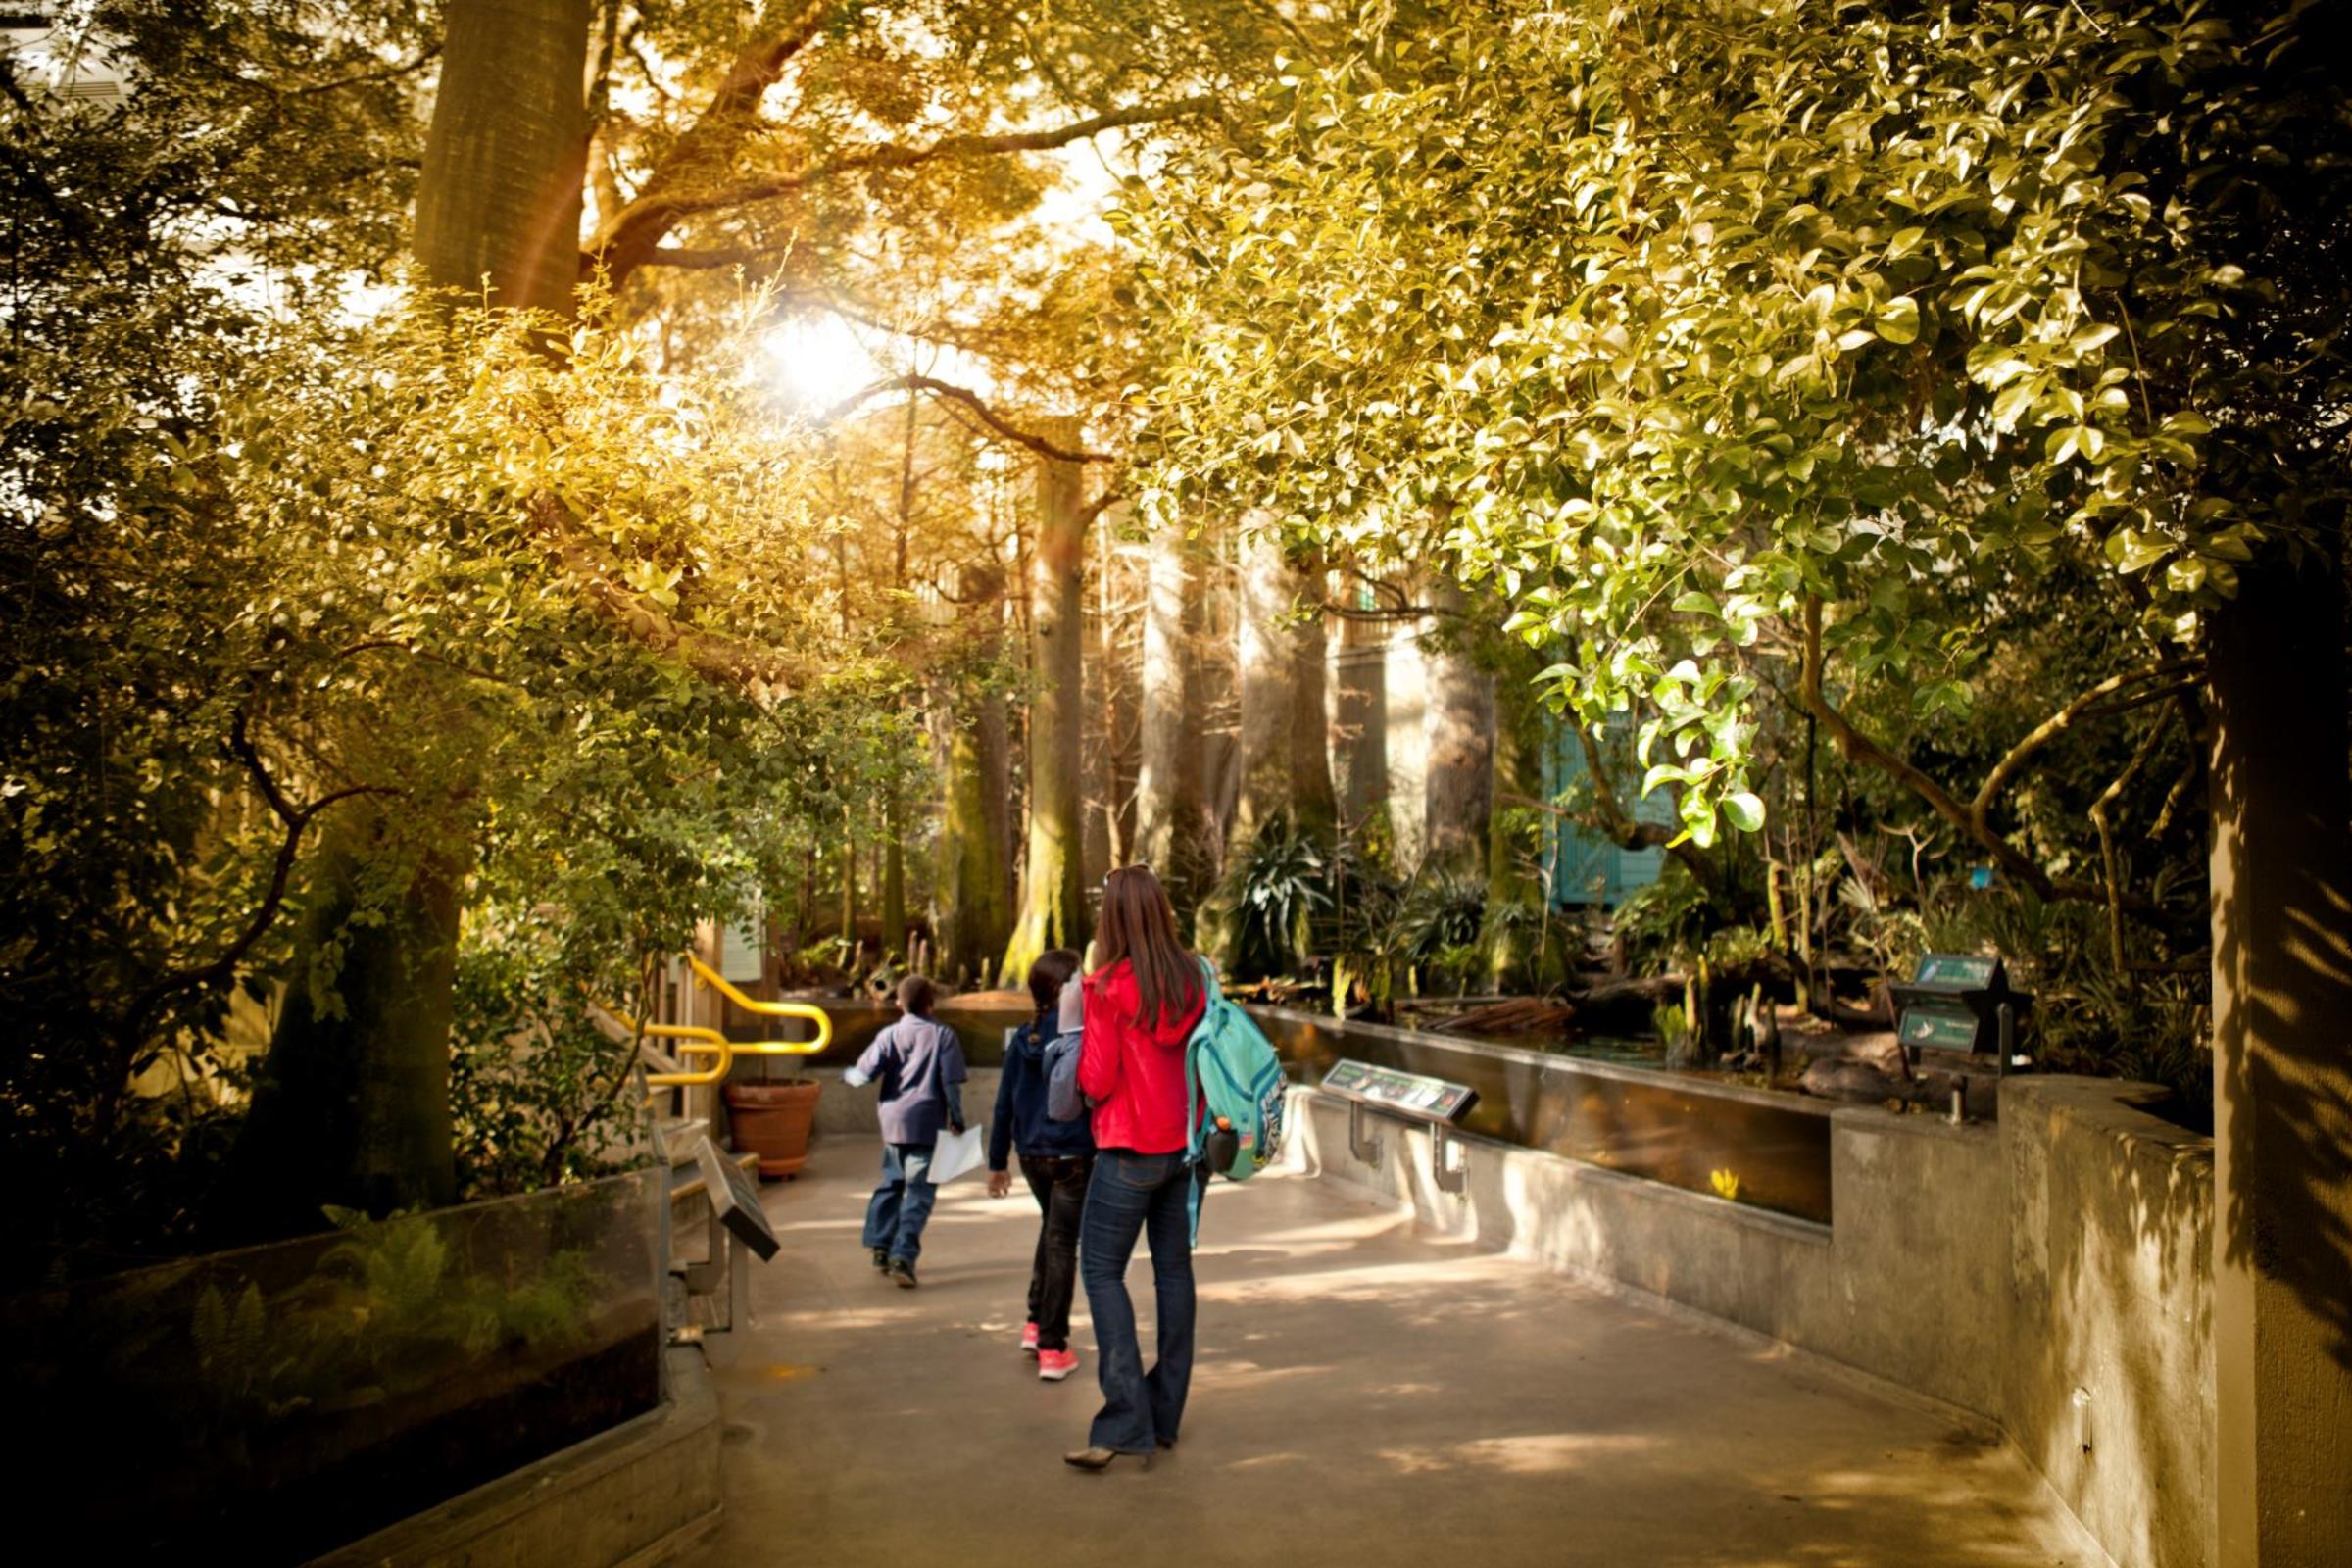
918, 1063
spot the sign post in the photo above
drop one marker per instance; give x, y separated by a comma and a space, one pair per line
1435, 1102
738, 1226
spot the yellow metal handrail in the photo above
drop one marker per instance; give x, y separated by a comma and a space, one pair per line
769, 1010
700, 1041
706, 1042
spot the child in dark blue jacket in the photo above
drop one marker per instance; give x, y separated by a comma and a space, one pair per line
1057, 1158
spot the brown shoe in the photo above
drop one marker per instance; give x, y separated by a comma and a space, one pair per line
1101, 1458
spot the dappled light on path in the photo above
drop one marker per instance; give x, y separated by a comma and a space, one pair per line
1364, 1394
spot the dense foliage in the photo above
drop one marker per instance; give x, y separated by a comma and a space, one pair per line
1713, 335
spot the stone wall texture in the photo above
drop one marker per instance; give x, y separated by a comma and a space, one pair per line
2048, 1273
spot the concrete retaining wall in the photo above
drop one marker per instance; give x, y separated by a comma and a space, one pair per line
850, 1113
631, 1497
2047, 1274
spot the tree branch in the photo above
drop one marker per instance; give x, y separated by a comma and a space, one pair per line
367, 79
624, 243
2110, 862
1628, 833
764, 674
2049, 729
1856, 747
151, 997
971, 400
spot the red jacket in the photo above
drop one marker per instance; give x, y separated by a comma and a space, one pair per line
1134, 1075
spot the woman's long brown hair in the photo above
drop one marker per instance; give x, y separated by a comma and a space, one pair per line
1138, 925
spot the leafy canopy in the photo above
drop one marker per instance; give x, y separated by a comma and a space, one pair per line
1674, 320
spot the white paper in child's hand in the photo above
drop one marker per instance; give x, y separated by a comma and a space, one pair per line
1073, 1004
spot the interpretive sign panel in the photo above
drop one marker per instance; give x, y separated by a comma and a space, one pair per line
735, 1200
1957, 1001
1433, 1099
1955, 970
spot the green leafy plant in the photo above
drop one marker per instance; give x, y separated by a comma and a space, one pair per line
1277, 888
1661, 919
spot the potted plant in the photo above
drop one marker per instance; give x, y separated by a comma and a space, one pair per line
771, 1118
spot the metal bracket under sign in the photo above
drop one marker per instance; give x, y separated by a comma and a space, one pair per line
1435, 1102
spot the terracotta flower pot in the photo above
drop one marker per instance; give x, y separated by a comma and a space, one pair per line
772, 1122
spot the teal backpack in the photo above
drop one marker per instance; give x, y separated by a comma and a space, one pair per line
1230, 1063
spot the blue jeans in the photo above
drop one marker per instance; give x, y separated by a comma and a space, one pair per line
1134, 1194
895, 1216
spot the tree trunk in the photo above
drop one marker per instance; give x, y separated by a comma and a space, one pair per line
894, 882
352, 1108
2281, 892
1405, 677
1217, 694
1512, 936
354, 1105
849, 884
1265, 678
1459, 792
1361, 722
498, 200
1167, 785
1267, 665
972, 912
1097, 723
1053, 904
1314, 807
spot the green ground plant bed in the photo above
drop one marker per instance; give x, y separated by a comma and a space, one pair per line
292, 1397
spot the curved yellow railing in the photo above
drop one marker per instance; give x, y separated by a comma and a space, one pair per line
700, 1041
769, 1010
705, 1041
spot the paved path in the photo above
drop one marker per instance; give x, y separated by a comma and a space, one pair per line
1365, 1396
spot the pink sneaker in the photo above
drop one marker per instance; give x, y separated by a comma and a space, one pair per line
1029, 1337
1055, 1365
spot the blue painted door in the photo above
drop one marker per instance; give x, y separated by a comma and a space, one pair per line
1586, 869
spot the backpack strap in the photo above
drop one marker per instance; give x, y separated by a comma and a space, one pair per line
1196, 1114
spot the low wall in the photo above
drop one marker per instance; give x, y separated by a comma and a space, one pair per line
631, 1497
850, 1112
2047, 1273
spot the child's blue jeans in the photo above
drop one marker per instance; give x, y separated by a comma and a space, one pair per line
895, 1216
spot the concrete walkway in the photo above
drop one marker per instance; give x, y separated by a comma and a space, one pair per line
1364, 1397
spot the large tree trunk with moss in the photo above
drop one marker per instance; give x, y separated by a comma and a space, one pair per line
1361, 716
1314, 807
1265, 675
2282, 889
352, 1105
1460, 787
972, 915
1268, 668
1169, 780
499, 202
1052, 903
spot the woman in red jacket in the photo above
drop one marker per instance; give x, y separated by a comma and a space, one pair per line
1140, 1006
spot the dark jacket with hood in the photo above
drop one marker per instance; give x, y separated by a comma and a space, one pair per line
1021, 1119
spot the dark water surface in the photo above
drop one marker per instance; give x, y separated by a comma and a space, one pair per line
1608, 1102
1680, 1128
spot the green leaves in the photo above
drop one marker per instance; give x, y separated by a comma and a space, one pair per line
1897, 320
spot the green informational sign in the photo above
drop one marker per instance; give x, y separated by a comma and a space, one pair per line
1433, 1098
1958, 970
1940, 1029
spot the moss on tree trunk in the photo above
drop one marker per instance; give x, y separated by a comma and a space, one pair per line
1052, 903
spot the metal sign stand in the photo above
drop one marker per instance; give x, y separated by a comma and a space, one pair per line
1364, 1147
1435, 1102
